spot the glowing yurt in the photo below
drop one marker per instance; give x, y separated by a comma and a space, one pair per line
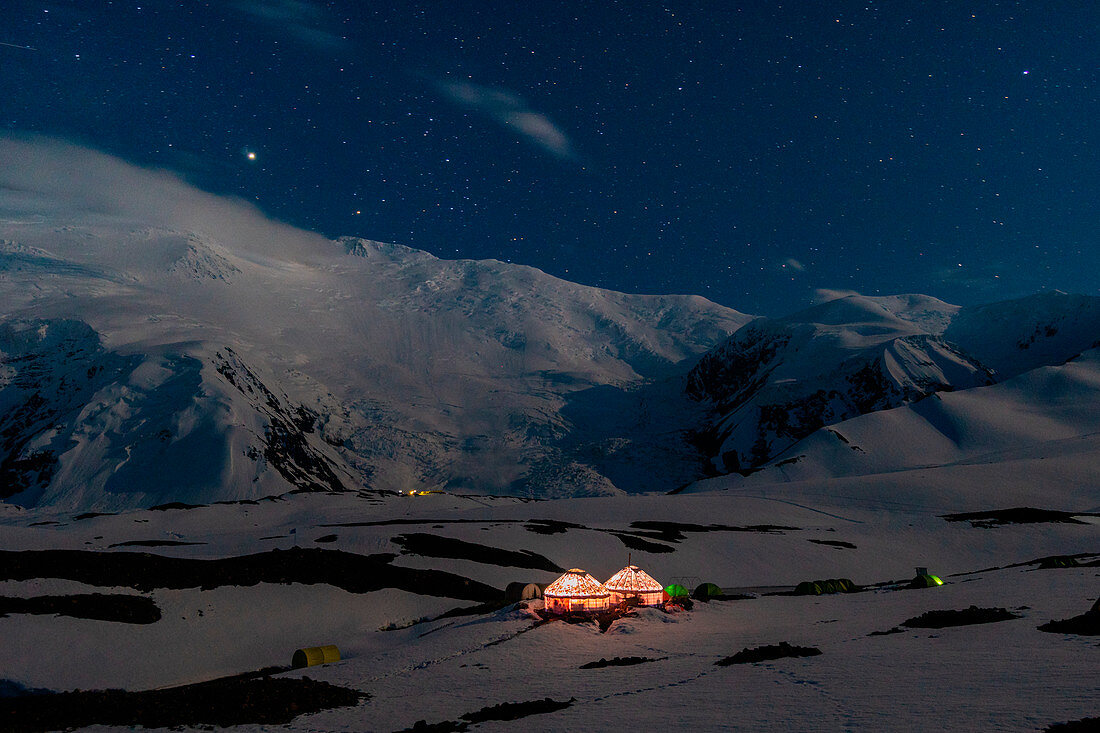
576, 591
633, 585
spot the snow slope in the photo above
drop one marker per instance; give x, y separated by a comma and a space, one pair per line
997, 676
1014, 336
775, 384
775, 381
1047, 414
219, 355
161, 345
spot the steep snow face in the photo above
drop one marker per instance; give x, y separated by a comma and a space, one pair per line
776, 381
272, 358
48, 374
1014, 336
1038, 430
84, 426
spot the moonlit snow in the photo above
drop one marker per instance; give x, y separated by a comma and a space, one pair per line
181, 378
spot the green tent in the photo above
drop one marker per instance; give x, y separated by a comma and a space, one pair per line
925, 580
842, 585
707, 591
828, 586
676, 591
1058, 561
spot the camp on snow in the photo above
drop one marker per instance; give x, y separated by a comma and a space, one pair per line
577, 591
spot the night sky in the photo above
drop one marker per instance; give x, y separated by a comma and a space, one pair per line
754, 153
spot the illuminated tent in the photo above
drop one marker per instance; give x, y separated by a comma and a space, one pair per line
676, 591
576, 591
632, 584
925, 580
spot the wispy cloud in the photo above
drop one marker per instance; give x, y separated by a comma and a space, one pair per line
301, 20
513, 112
792, 264
824, 295
44, 179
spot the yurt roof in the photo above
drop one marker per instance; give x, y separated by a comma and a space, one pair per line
576, 584
632, 579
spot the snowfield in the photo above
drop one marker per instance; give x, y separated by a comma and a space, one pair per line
223, 439
998, 676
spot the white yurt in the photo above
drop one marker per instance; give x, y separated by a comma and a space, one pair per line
576, 590
632, 584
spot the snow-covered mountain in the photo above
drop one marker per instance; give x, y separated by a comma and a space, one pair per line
1014, 336
1040, 430
776, 381
776, 385
161, 344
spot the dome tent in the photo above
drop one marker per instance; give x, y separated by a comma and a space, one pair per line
1058, 561
521, 591
676, 591
576, 590
828, 586
707, 592
925, 580
633, 584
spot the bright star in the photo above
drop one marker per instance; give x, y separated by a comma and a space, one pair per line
250, 155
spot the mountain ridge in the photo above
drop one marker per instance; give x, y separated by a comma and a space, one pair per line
307, 362
161, 344
768, 390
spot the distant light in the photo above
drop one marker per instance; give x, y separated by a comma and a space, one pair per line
250, 155
1026, 72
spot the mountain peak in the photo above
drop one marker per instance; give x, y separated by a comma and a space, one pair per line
923, 312
255, 358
